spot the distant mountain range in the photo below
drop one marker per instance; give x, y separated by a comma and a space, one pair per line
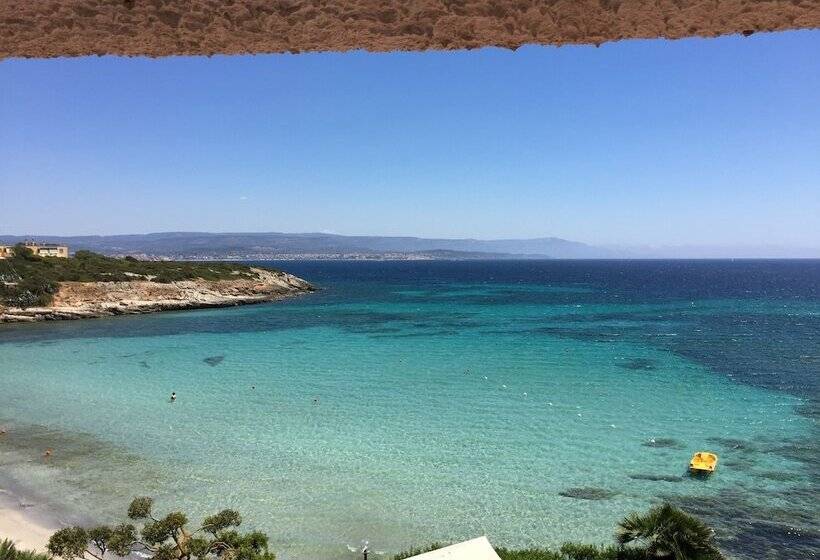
199, 245
249, 246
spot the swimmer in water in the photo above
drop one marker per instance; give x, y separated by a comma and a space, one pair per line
47, 454
173, 397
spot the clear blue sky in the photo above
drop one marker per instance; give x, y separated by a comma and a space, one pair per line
695, 141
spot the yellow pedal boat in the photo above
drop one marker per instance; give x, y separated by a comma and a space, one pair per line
703, 462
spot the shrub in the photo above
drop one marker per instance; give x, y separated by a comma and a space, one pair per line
415, 551
165, 538
9, 551
669, 532
665, 533
528, 554
27, 280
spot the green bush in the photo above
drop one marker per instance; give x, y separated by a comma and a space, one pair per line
528, 554
27, 280
663, 533
9, 551
568, 551
162, 538
576, 551
415, 551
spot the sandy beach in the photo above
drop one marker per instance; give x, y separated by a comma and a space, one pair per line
26, 526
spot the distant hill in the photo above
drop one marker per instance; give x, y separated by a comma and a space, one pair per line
272, 246
199, 245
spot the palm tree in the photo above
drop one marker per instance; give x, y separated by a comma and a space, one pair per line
669, 533
8, 551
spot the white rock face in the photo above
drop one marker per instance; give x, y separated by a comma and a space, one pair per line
81, 300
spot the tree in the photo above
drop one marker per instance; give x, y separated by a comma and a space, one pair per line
669, 533
8, 551
23, 252
164, 538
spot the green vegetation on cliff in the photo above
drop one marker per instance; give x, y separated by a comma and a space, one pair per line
27, 280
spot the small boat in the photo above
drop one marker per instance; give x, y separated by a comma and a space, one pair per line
703, 462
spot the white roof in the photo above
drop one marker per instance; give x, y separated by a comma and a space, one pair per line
475, 549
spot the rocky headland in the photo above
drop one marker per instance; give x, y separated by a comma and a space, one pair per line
83, 300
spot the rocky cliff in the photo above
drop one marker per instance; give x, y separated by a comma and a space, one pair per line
80, 300
39, 28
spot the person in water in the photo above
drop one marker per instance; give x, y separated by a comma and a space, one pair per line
173, 397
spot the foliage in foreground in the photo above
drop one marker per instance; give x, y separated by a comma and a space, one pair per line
165, 538
9, 551
574, 551
415, 551
663, 533
28, 280
668, 532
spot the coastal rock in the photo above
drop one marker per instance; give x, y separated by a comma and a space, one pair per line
83, 300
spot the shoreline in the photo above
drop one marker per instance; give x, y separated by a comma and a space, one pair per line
43, 314
28, 525
29, 516
91, 300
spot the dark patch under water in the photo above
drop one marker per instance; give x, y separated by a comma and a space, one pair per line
656, 477
639, 364
213, 360
740, 462
749, 526
668, 443
780, 476
588, 493
415, 334
733, 444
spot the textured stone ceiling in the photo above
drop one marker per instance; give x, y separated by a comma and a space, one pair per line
46, 28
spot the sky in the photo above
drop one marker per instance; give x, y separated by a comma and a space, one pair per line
697, 141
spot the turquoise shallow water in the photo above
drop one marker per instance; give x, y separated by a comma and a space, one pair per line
411, 402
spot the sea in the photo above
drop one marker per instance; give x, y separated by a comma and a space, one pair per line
407, 402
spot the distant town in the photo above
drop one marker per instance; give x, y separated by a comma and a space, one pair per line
266, 256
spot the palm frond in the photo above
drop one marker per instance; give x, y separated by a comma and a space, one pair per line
669, 532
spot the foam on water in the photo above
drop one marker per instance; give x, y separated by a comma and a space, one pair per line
405, 410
